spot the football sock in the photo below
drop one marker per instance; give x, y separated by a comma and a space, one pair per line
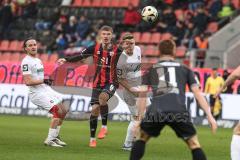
58, 130
235, 147
137, 150
104, 114
93, 125
198, 154
52, 134
130, 134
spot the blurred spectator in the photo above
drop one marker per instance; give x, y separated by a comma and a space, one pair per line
214, 8
71, 29
178, 32
229, 89
83, 27
167, 20
61, 25
194, 4
6, 17
86, 42
188, 39
131, 17
61, 42
200, 21
50, 20
30, 10
213, 83
201, 44
227, 10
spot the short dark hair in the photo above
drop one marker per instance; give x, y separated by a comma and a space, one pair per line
167, 47
106, 28
127, 35
26, 40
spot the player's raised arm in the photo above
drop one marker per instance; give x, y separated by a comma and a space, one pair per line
231, 78
87, 52
204, 105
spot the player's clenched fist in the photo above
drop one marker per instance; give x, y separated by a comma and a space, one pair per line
61, 61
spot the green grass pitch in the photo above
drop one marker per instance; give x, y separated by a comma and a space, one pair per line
21, 138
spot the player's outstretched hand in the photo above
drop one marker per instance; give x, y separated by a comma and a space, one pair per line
212, 123
61, 61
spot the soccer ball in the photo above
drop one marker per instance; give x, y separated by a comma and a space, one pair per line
149, 14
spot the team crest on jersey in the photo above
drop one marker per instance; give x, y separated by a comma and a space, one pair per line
51, 101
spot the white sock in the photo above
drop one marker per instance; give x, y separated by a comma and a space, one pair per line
58, 130
91, 138
130, 134
235, 147
103, 126
52, 134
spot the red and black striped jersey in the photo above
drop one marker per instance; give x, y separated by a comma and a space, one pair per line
105, 62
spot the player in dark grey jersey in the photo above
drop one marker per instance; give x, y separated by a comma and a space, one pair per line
168, 80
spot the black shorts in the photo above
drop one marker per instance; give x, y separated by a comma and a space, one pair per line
179, 122
109, 89
212, 100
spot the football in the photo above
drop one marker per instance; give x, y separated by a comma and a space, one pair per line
149, 14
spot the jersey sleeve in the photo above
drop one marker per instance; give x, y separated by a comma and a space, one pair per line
87, 52
191, 78
26, 67
121, 67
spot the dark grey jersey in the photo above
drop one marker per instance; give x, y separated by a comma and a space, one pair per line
168, 80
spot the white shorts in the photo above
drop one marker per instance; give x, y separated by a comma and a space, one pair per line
131, 100
46, 99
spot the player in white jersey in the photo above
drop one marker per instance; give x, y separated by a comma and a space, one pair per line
41, 94
235, 145
129, 75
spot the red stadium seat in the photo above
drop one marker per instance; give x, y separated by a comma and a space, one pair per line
155, 38
13, 45
53, 58
22, 55
44, 57
166, 36
181, 51
77, 3
137, 36
4, 46
236, 4
145, 37
142, 48
115, 3
15, 57
106, 3
212, 27
86, 3
20, 46
151, 50
149, 60
135, 3
96, 3
124, 3
6, 57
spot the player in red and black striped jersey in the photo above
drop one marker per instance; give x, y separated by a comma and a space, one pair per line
105, 56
